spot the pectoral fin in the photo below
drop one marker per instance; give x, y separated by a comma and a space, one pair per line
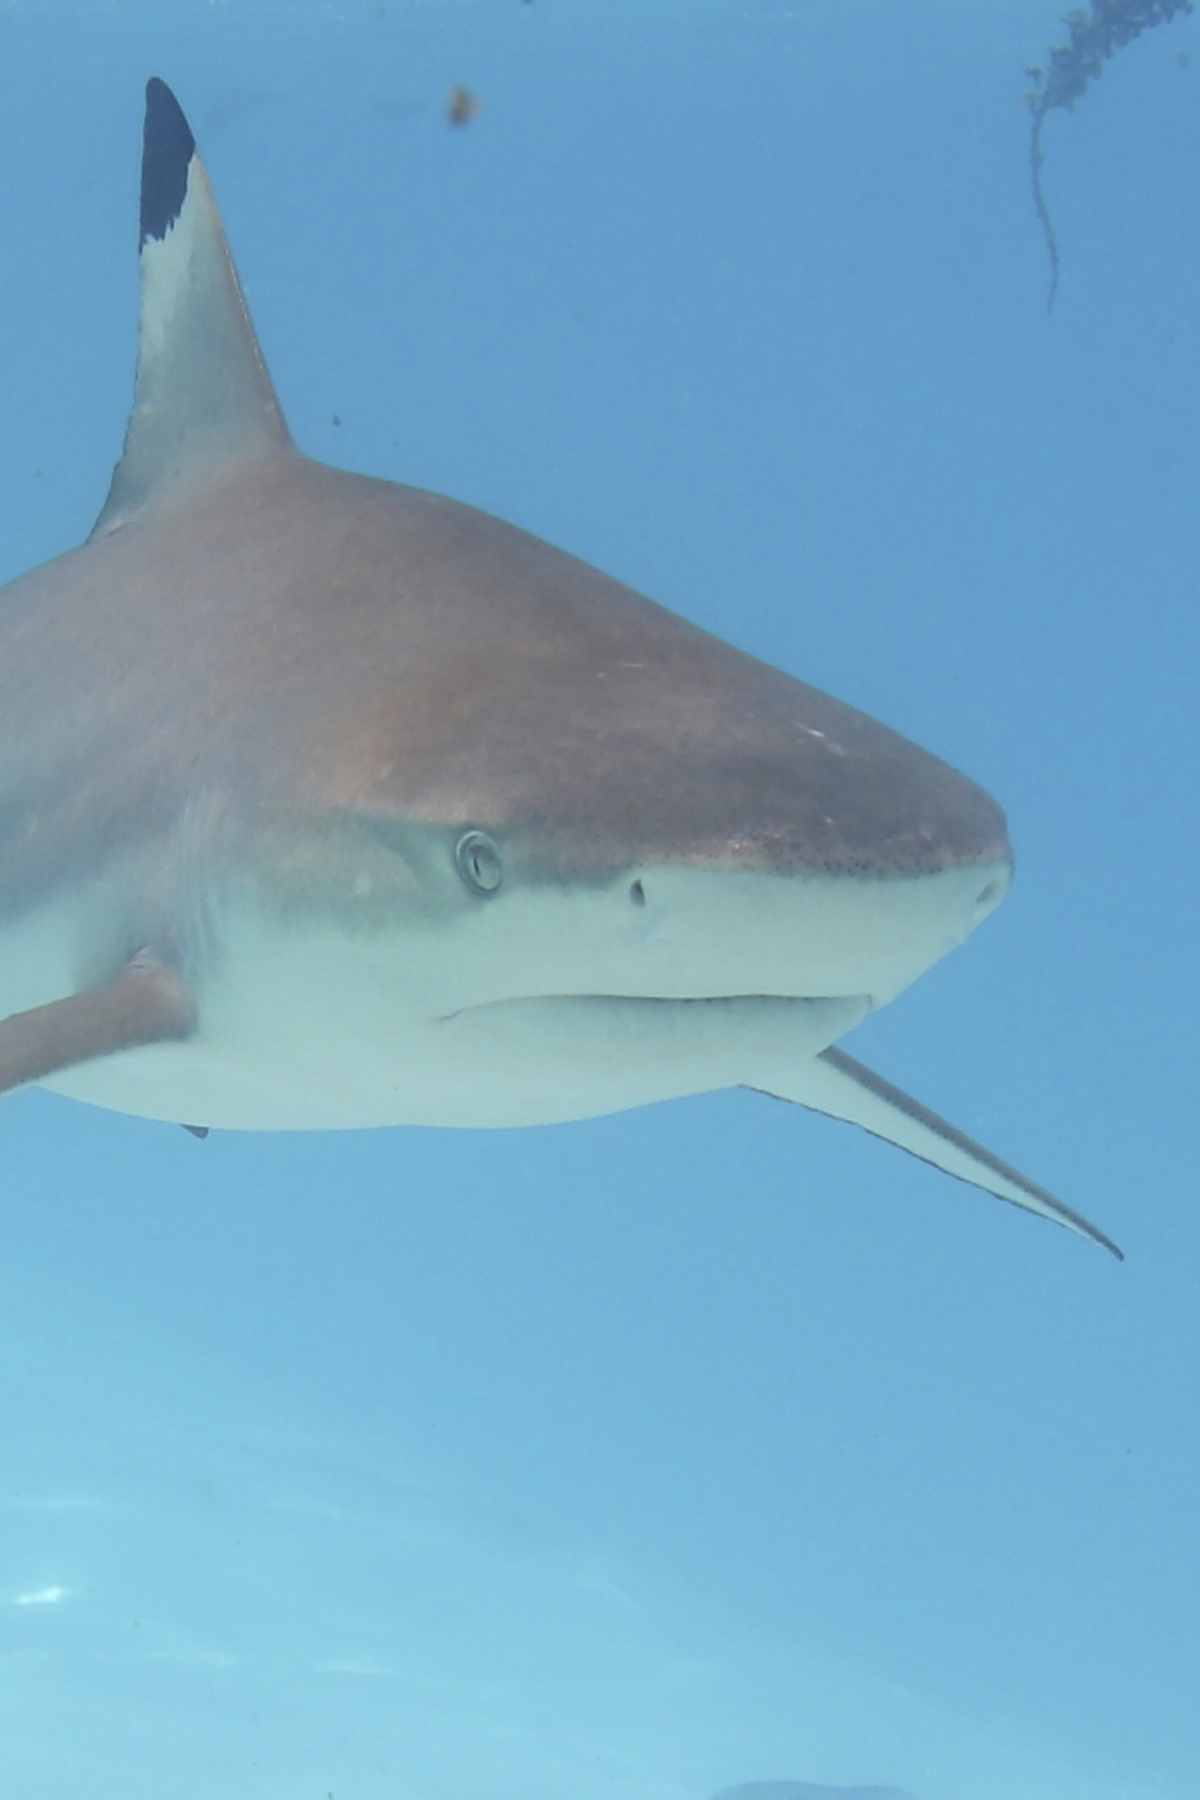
835, 1084
147, 1003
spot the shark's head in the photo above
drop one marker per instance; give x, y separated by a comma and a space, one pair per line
512, 799
603, 798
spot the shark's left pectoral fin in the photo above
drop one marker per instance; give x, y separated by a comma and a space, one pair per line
146, 1003
836, 1084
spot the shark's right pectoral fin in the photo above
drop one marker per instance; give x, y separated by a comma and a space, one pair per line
146, 1003
835, 1084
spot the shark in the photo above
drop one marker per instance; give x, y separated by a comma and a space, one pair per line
327, 802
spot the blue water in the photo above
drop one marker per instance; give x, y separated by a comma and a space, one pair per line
711, 1443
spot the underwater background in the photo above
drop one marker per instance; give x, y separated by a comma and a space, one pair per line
713, 1442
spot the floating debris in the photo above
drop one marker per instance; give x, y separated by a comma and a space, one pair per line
1095, 36
462, 105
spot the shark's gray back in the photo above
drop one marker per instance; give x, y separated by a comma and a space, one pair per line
299, 640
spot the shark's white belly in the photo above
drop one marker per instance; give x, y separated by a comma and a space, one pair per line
517, 1063
541, 1006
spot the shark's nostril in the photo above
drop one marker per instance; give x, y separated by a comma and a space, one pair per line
990, 896
637, 893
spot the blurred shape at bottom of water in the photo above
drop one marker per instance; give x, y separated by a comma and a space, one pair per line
807, 1790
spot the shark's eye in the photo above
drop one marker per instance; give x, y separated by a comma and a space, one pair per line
479, 862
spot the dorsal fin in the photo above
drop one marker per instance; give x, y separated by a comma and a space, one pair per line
202, 396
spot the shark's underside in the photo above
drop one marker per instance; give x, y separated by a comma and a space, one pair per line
328, 802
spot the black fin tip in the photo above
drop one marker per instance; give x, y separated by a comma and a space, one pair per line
167, 149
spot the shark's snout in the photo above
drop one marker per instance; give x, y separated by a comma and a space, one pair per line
730, 764
992, 891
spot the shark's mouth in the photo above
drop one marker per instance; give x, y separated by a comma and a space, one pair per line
644, 1045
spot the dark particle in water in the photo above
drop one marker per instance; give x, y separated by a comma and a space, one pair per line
461, 106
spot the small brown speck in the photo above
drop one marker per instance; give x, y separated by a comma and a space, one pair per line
461, 106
